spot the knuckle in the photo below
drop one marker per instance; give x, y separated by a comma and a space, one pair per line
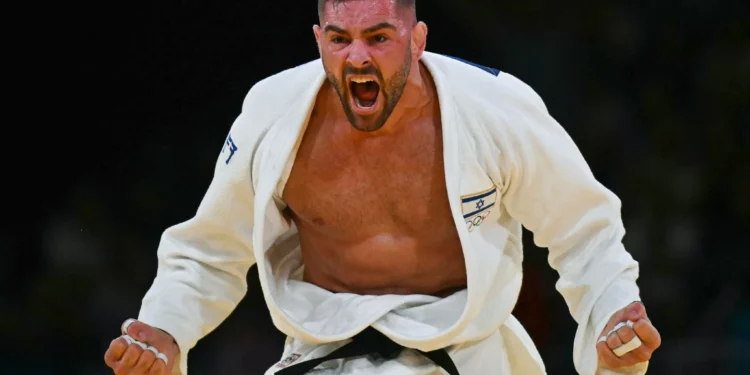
158, 368
148, 355
111, 356
118, 344
146, 360
120, 368
132, 354
642, 326
626, 334
657, 338
613, 341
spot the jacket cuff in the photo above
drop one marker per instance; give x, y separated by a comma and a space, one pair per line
178, 329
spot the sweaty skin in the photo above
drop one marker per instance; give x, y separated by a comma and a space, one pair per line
367, 189
372, 210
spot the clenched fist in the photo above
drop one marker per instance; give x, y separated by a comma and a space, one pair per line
628, 339
151, 351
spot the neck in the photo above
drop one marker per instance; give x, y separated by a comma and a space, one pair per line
419, 95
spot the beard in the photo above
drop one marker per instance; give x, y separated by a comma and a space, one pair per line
391, 89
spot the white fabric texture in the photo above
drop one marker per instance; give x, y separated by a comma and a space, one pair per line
497, 138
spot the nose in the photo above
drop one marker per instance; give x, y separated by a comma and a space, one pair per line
358, 57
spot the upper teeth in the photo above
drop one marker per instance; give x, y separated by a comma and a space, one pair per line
363, 80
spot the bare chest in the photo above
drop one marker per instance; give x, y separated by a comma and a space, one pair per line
393, 183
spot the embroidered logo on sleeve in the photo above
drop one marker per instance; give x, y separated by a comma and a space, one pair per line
229, 144
476, 207
288, 360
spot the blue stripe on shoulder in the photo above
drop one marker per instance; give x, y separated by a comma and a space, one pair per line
493, 71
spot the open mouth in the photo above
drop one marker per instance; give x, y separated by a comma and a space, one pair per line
365, 92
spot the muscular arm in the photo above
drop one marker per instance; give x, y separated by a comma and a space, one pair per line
552, 192
203, 262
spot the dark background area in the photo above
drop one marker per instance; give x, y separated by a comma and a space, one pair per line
131, 103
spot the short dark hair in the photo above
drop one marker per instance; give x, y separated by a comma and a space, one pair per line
403, 4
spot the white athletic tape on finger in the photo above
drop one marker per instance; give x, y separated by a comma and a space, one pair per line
620, 325
125, 325
163, 358
627, 347
614, 330
132, 341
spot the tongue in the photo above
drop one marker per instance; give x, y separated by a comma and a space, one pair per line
366, 91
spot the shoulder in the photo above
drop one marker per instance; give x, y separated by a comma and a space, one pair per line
519, 92
478, 84
270, 98
275, 92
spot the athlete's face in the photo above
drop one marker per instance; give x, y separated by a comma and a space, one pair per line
366, 48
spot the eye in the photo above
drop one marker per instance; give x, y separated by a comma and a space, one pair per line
380, 38
337, 40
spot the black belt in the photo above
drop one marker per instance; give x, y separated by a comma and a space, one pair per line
368, 342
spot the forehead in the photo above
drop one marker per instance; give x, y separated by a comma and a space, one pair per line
356, 13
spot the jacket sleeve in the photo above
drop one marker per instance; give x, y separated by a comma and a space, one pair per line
203, 262
551, 190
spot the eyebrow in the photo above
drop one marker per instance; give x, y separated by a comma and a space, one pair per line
369, 30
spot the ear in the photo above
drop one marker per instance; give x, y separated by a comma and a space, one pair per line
316, 31
419, 39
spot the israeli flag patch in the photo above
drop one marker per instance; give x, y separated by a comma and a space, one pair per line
476, 207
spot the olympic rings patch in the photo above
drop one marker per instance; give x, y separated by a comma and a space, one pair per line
476, 221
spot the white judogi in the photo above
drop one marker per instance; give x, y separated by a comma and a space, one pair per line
507, 163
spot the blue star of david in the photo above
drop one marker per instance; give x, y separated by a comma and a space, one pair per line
480, 204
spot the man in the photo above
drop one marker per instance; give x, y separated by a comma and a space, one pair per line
381, 190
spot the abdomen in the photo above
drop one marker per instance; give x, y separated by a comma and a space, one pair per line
386, 261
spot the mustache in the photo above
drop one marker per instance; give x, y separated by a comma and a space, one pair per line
368, 70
